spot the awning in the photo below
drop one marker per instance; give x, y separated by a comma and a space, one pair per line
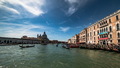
103, 33
103, 38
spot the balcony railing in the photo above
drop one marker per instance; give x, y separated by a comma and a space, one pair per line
103, 25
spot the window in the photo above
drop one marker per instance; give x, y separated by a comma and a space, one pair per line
97, 26
106, 21
110, 20
118, 27
102, 30
118, 35
117, 18
94, 33
118, 40
106, 29
94, 27
98, 31
110, 28
94, 38
88, 34
105, 36
111, 41
110, 36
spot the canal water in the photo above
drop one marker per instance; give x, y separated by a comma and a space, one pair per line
50, 56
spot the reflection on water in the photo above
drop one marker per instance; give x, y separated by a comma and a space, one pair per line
50, 56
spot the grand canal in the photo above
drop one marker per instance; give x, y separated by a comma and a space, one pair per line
50, 56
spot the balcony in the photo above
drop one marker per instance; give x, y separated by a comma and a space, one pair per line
104, 25
103, 38
103, 33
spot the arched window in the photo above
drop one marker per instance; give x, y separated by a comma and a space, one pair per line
98, 31
106, 29
94, 32
102, 30
118, 34
110, 35
118, 27
117, 18
110, 28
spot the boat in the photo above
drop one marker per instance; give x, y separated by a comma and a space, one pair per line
74, 46
65, 47
3, 44
27, 45
57, 45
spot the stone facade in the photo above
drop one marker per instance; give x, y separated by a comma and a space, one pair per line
105, 31
44, 39
74, 39
6, 40
83, 36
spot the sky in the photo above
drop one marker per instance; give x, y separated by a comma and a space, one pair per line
60, 19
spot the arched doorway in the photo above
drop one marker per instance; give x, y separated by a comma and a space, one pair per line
4, 41
7, 41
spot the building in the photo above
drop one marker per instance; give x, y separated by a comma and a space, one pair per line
105, 31
44, 39
92, 34
109, 29
6, 40
25, 40
83, 36
74, 39
69, 41
53, 41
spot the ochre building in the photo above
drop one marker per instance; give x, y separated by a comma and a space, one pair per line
104, 32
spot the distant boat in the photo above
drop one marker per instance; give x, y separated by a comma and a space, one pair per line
74, 46
27, 45
57, 45
3, 44
44, 43
65, 46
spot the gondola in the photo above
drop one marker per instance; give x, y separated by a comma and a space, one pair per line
65, 47
26, 46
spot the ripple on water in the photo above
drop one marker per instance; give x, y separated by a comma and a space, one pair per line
50, 56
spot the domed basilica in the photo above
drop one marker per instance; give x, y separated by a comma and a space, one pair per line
44, 39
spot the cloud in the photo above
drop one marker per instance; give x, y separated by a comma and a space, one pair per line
64, 29
18, 30
74, 5
9, 9
25, 8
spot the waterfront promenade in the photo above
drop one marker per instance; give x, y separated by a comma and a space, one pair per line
50, 56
